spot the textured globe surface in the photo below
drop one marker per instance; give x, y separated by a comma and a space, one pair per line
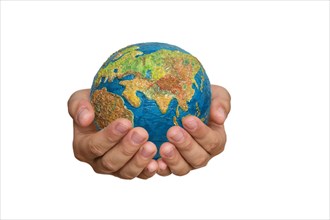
154, 85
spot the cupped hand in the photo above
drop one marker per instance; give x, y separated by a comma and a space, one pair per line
118, 149
194, 145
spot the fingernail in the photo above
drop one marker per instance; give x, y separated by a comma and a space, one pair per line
82, 113
191, 124
152, 168
162, 165
137, 138
178, 136
146, 151
169, 152
221, 114
121, 128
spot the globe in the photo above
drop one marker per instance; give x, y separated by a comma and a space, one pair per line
154, 85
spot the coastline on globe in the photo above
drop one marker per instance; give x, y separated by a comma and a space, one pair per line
154, 85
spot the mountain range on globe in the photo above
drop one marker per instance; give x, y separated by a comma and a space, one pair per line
154, 85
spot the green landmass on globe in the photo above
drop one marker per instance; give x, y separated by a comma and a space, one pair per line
154, 85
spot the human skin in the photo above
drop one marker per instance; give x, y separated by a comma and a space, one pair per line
125, 152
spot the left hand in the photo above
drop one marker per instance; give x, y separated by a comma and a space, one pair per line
192, 147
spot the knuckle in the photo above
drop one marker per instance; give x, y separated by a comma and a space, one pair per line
95, 149
181, 171
111, 135
143, 177
126, 176
187, 145
164, 172
217, 145
214, 148
77, 152
217, 150
127, 151
145, 174
112, 138
108, 165
220, 150
200, 162
221, 145
141, 164
78, 156
97, 170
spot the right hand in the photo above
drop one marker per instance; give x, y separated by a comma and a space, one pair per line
118, 149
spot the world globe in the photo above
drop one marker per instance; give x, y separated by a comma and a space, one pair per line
154, 85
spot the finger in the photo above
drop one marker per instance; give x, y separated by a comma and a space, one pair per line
139, 162
150, 170
119, 155
163, 169
189, 149
91, 146
174, 160
80, 109
220, 105
211, 138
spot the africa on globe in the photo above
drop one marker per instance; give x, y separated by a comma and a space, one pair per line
154, 85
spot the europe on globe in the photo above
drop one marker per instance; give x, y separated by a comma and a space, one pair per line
154, 85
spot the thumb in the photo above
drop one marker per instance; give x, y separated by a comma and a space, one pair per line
80, 109
220, 105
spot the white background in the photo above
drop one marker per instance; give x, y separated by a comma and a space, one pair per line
273, 57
